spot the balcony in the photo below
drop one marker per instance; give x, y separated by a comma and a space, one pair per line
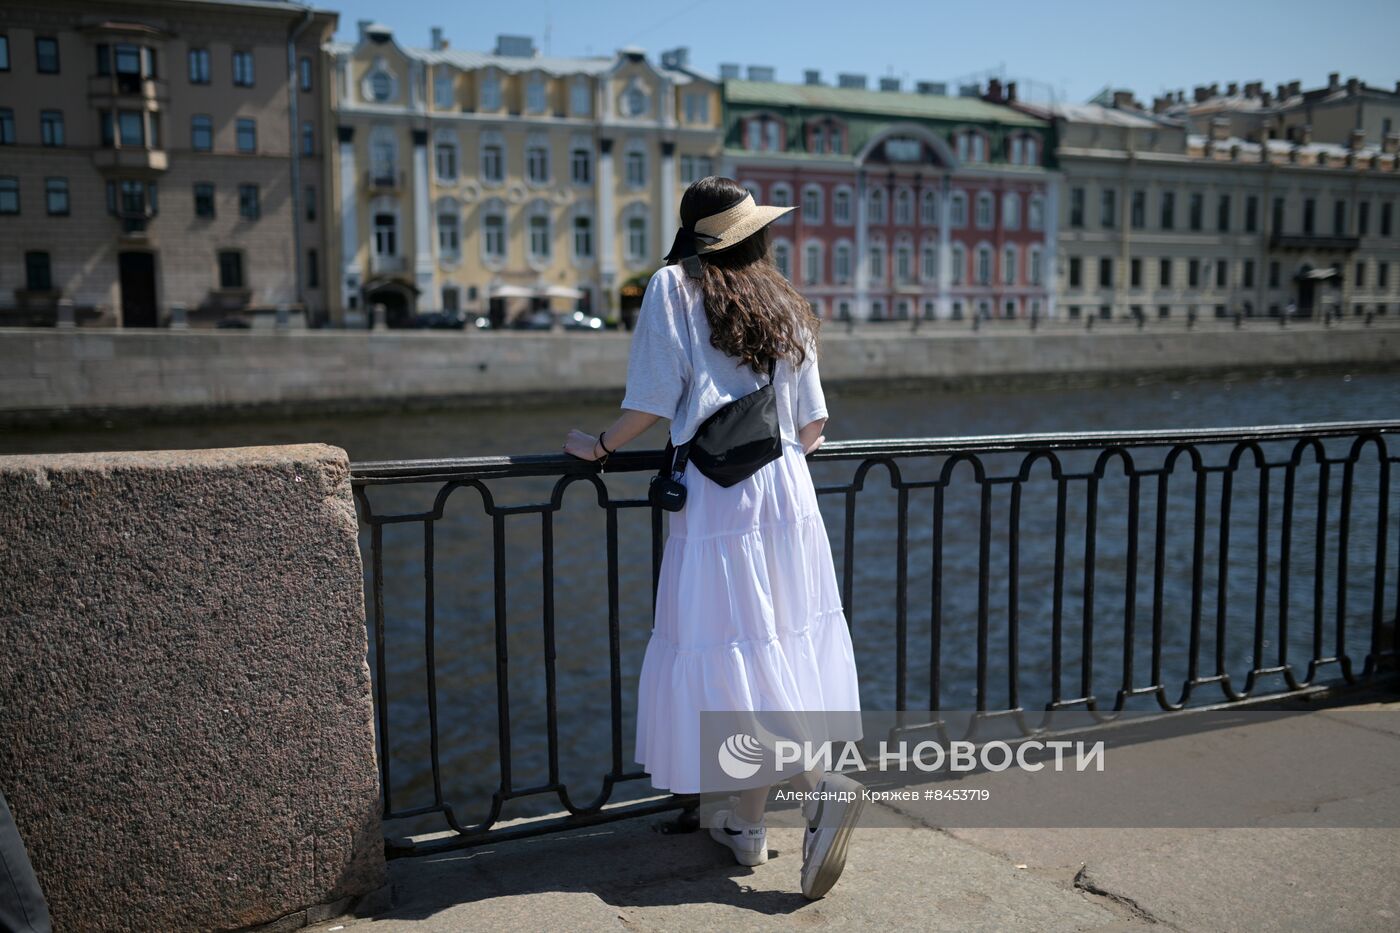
385, 180
131, 160
383, 265
1320, 241
106, 90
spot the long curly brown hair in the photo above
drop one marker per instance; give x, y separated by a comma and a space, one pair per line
753, 310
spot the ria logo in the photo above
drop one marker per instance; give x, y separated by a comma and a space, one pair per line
740, 756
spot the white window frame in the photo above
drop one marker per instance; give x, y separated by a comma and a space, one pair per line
903, 260
1011, 211
637, 253
959, 264
842, 197
877, 205
782, 257
812, 264
928, 208
580, 97
957, 209
1035, 213
780, 195
537, 167
536, 212
489, 90
491, 139
984, 262
877, 259
903, 206
446, 143
536, 93
583, 213
448, 252
444, 88
1010, 264
842, 267
635, 155
985, 217
581, 145
812, 198
495, 207
1035, 266
928, 261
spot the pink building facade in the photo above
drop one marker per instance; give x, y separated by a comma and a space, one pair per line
909, 204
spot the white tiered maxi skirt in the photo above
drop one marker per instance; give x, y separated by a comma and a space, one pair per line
748, 616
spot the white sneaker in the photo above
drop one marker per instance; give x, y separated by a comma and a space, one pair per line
829, 825
749, 842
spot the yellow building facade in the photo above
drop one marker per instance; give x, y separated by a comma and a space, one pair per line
493, 182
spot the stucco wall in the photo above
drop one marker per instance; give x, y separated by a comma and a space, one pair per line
188, 734
48, 374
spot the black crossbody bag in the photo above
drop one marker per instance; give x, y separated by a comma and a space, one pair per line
729, 446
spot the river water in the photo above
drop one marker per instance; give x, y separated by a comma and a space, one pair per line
464, 592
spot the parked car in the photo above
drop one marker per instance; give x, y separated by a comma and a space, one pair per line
534, 320
442, 320
580, 320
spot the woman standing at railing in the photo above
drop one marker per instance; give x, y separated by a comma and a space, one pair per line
748, 613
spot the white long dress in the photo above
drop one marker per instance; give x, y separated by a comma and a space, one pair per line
748, 610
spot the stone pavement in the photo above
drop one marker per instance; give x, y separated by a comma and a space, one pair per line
1279, 873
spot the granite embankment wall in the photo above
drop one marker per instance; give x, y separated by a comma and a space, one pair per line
48, 375
188, 728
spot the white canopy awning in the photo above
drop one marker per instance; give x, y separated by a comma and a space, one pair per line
511, 291
561, 291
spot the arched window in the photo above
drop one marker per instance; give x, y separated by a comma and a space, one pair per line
877, 260
812, 204
929, 261
812, 263
580, 98
537, 159
490, 90
841, 263
780, 195
1011, 211
383, 155
493, 231
1034, 271
449, 230
583, 232
959, 264
638, 234
957, 208
386, 233
635, 164
1035, 214
841, 205
984, 265
903, 206
540, 231
493, 157
877, 205
581, 161
928, 208
984, 210
903, 261
1008, 265
445, 156
782, 257
535, 97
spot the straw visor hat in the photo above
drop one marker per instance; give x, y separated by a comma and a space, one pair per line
720, 231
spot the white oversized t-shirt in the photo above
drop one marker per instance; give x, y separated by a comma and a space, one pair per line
675, 372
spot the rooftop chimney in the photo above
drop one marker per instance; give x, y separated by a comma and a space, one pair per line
1295, 88
969, 90
993, 90
1252, 89
1282, 91
1123, 100
439, 43
1334, 80
728, 70
1356, 139
1353, 85
932, 87
1202, 93
889, 84
1011, 92
811, 76
1160, 104
760, 73
678, 57
1233, 89
851, 81
1266, 99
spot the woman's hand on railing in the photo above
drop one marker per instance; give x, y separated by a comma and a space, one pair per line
583, 445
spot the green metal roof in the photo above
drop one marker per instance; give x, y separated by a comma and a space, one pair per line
882, 103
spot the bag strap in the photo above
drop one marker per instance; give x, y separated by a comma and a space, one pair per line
772, 368
675, 458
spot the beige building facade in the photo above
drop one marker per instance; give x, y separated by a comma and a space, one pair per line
1159, 221
493, 182
161, 157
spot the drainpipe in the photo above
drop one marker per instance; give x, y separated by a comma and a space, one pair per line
293, 92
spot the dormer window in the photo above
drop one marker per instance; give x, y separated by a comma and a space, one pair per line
972, 146
1024, 149
763, 134
634, 100
490, 91
535, 94
379, 85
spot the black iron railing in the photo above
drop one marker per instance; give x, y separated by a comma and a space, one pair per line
1097, 571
